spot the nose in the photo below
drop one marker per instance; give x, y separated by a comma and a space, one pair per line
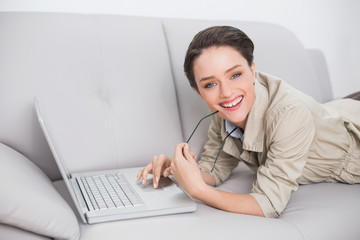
225, 90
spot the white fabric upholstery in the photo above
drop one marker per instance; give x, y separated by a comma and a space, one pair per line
10, 232
114, 117
325, 211
114, 94
97, 69
29, 200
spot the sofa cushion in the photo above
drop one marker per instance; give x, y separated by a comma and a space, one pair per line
29, 200
325, 211
11, 232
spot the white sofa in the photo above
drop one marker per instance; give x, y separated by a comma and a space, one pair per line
116, 95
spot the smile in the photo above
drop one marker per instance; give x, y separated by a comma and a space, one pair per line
233, 103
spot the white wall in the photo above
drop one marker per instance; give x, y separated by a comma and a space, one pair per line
331, 26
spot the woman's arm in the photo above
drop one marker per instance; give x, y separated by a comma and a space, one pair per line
231, 202
186, 172
208, 178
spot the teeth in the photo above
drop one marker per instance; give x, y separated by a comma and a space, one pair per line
234, 103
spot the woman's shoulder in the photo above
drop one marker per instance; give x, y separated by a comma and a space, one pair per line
268, 80
282, 96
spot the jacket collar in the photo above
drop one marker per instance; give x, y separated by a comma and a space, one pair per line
254, 132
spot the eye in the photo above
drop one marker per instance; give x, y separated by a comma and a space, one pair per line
236, 75
209, 85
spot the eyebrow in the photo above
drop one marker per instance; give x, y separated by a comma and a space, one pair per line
229, 70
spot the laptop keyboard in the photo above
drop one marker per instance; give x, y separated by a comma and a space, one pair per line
110, 191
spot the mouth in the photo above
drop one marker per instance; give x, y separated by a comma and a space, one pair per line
233, 104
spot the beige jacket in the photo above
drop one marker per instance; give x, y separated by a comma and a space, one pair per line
289, 139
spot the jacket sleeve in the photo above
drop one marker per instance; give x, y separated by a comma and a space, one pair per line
225, 163
290, 132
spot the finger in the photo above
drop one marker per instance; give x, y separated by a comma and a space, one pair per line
146, 171
167, 172
138, 177
158, 163
179, 151
158, 168
193, 155
188, 154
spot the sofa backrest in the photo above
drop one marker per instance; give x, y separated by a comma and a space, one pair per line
112, 87
104, 83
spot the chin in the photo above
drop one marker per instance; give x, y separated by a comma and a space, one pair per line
236, 118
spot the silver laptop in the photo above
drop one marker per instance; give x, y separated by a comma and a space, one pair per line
101, 196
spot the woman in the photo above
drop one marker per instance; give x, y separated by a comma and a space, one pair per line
282, 134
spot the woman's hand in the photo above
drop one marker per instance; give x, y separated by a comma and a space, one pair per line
159, 166
187, 173
185, 170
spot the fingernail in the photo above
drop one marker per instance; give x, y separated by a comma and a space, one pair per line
143, 181
186, 146
157, 180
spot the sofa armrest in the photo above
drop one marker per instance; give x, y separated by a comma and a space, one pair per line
30, 202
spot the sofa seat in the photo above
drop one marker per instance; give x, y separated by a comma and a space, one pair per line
307, 216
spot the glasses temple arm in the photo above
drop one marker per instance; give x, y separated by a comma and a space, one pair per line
199, 124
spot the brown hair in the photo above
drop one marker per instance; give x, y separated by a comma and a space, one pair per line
217, 36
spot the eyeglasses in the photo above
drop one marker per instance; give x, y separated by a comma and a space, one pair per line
221, 146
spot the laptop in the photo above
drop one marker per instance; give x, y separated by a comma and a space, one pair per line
110, 195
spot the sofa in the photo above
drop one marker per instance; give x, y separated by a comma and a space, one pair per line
116, 95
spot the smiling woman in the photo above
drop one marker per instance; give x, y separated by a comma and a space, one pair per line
226, 83
284, 135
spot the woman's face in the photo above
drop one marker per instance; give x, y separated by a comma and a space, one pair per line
226, 83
